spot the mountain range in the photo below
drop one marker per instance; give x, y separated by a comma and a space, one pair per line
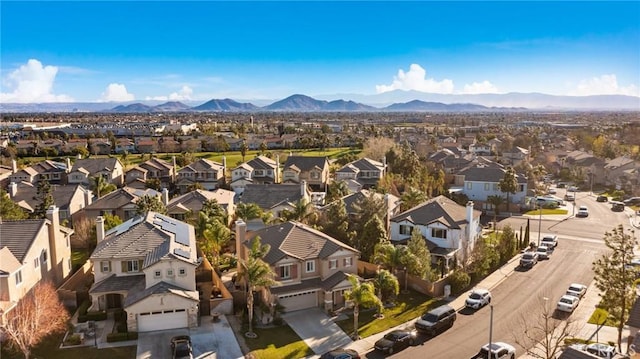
394, 101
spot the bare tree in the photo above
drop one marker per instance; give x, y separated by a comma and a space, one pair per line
543, 335
36, 315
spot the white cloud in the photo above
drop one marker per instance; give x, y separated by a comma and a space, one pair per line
184, 94
603, 85
32, 83
415, 79
480, 88
117, 93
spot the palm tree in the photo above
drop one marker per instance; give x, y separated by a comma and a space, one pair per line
386, 283
257, 274
302, 212
509, 183
412, 198
214, 238
361, 295
248, 211
390, 256
243, 149
101, 186
495, 201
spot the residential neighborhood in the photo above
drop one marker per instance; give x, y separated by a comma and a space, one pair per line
320, 236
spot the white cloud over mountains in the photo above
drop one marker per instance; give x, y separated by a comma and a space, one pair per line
604, 85
116, 93
184, 94
416, 79
33, 83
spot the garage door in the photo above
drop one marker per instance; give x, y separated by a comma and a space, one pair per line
161, 320
298, 301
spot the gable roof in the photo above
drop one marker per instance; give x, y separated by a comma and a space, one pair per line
121, 197
202, 165
306, 163
262, 163
152, 237
8, 262
139, 292
18, 236
157, 164
195, 199
490, 173
62, 194
440, 209
95, 165
296, 240
267, 196
364, 164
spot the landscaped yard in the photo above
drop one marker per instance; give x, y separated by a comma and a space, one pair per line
49, 349
409, 306
601, 316
546, 211
278, 342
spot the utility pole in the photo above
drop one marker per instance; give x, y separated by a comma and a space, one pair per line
539, 222
490, 329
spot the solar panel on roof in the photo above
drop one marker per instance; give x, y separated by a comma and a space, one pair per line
182, 240
182, 253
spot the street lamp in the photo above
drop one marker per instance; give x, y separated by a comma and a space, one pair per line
490, 328
539, 221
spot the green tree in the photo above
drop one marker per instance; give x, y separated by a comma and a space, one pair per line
614, 278
248, 211
419, 263
302, 211
146, 204
411, 198
335, 223
495, 201
390, 256
44, 195
243, 150
215, 237
372, 234
153, 183
509, 184
387, 284
257, 274
507, 245
337, 190
111, 221
361, 295
9, 210
101, 187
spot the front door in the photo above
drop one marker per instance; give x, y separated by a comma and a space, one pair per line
114, 301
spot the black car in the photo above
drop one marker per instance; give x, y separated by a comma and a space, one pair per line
341, 353
181, 347
602, 198
436, 320
396, 340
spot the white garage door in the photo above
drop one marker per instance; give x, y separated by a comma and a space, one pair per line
298, 301
168, 319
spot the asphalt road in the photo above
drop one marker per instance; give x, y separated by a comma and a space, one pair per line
518, 300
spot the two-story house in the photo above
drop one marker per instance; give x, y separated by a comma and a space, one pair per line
69, 199
191, 203
31, 250
516, 156
365, 171
450, 230
482, 180
208, 173
53, 172
147, 266
153, 168
615, 172
275, 198
84, 170
259, 170
121, 203
313, 170
310, 266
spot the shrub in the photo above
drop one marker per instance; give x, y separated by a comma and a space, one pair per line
96, 315
120, 337
73, 339
459, 281
82, 311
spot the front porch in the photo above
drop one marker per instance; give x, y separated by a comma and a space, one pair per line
112, 292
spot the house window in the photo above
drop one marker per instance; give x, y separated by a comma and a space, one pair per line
315, 175
311, 266
347, 262
182, 272
487, 186
333, 264
36, 262
18, 277
521, 188
438, 233
131, 266
285, 271
169, 272
405, 229
157, 274
105, 266
469, 185
45, 256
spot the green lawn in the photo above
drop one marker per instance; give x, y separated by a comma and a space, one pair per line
49, 350
599, 315
278, 342
409, 306
79, 257
546, 211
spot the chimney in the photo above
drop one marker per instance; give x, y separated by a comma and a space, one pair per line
88, 197
99, 229
303, 188
241, 237
277, 178
471, 225
174, 169
53, 215
13, 189
68, 164
165, 196
14, 166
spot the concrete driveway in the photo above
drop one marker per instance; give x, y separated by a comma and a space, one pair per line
209, 340
317, 330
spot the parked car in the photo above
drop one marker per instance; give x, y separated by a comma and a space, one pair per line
528, 259
602, 198
436, 320
569, 197
598, 349
577, 290
568, 303
550, 241
498, 350
341, 353
617, 206
583, 211
396, 340
633, 201
181, 347
478, 298
543, 252
551, 191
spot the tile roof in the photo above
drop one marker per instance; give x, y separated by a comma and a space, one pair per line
487, 174
440, 209
8, 262
365, 164
307, 163
115, 283
313, 283
202, 165
139, 292
95, 165
121, 197
297, 240
194, 200
262, 163
19, 235
267, 196
62, 194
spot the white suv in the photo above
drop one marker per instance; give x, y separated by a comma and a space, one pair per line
478, 298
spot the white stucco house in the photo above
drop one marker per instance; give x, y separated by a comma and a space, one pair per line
479, 181
450, 230
146, 266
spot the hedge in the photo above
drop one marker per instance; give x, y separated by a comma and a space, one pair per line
120, 337
95, 316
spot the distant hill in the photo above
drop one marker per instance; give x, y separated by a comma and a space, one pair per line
134, 107
296, 103
171, 106
417, 105
225, 105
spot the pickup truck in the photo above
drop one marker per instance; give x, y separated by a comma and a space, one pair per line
499, 350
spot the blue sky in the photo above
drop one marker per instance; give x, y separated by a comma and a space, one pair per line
115, 51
